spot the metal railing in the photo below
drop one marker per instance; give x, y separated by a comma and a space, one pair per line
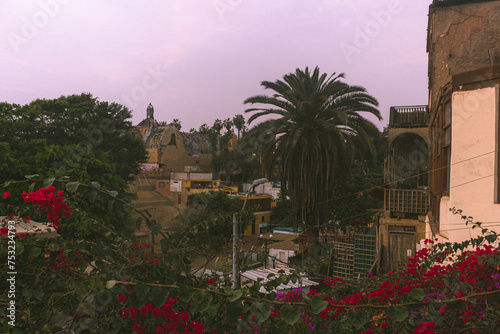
407, 201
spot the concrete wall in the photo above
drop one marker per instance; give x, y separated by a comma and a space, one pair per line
473, 171
458, 41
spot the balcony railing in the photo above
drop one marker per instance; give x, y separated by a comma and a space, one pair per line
409, 116
407, 201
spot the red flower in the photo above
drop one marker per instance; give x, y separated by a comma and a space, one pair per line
425, 328
6, 195
121, 298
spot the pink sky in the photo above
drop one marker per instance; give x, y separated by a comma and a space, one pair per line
199, 60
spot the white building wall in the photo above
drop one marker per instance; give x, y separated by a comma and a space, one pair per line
473, 154
285, 254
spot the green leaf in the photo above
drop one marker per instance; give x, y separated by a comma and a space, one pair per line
260, 311
159, 296
141, 289
202, 300
185, 293
110, 284
104, 298
7, 184
72, 186
233, 311
38, 294
61, 319
35, 251
113, 193
155, 229
417, 294
107, 234
236, 295
27, 293
129, 208
318, 304
92, 195
48, 182
95, 185
19, 249
110, 205
290, 313
30, 177
54, 247
31, 187
138, 222
357, 318
397, 313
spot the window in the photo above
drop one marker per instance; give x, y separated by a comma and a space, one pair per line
446, 147
262, 219
172, 140
441, 150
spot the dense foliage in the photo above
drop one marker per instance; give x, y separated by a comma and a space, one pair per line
77, 137
116, 286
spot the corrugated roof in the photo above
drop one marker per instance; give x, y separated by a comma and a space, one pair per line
263, 274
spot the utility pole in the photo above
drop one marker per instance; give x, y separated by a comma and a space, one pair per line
236, 274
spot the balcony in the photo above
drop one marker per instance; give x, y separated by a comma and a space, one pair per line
407, 201
409, 116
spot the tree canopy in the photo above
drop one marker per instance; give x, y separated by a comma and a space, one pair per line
75, 137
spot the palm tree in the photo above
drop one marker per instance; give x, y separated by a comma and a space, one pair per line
228, 124
239, 123
176, 123
313, 139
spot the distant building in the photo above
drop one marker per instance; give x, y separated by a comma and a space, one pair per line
173, 150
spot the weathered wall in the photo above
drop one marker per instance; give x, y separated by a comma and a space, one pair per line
165, 145
458, 41
473, 172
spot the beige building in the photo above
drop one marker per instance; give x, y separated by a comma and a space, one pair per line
172, 150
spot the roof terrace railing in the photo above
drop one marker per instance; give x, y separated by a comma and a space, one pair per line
409, 116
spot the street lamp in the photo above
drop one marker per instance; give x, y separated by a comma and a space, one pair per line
236, 274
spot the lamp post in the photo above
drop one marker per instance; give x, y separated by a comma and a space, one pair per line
236, 274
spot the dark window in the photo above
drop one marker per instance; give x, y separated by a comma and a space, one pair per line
172, 140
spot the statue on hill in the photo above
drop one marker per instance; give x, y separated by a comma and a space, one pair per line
150, 111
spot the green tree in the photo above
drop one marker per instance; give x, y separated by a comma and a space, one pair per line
319, 127
239, 123
228, 124
77, 137
217, 127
